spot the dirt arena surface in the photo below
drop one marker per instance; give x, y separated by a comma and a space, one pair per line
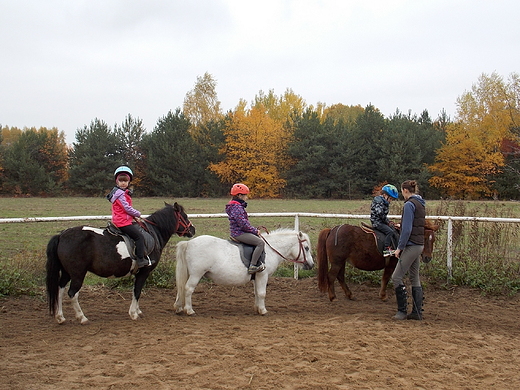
466, 341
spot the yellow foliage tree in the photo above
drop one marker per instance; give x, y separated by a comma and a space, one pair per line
254, 151
485, 117
464, 163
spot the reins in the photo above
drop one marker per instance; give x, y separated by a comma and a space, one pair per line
181, 221
300, 242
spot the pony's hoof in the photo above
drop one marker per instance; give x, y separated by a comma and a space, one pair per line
61, 320
190, 312
84, 321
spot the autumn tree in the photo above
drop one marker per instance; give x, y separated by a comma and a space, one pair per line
254, 151
280, 108
486, 115
340, 112
201, 105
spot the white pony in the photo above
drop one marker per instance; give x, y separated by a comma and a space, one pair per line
219, 260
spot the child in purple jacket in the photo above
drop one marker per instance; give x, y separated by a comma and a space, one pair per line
240, 228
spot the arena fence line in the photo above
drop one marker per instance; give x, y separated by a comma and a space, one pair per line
296, 216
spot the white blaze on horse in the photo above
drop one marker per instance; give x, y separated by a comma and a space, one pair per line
220, 261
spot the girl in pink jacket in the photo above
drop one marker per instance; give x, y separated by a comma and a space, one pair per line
123, 213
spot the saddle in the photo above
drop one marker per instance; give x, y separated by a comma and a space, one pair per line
246, 252
150, 241
379, 237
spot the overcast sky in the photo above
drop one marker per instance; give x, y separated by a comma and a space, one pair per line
64, 63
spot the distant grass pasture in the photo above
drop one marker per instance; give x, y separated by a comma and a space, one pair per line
485, 255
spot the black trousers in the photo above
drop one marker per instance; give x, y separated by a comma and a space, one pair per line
390, 235
134, 233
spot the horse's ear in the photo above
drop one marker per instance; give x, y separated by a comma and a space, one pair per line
300, 234
176, 206
431, 225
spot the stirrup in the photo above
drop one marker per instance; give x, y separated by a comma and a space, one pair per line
388, 252
256, 268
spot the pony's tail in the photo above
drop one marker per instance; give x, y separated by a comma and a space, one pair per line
323, 261
181, 271
53, 267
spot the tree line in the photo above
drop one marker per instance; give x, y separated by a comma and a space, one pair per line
280, 147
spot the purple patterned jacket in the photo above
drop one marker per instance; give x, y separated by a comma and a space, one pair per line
238, 219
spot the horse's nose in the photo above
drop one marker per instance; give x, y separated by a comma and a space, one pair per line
192, 231
426, 259
308, 266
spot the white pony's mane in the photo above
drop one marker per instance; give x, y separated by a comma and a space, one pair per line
283, 231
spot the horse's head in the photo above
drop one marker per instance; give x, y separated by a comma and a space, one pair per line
304, 251
429, 239
184, 226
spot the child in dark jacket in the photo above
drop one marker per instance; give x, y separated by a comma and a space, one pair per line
379, 217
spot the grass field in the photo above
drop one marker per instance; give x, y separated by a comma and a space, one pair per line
486, 255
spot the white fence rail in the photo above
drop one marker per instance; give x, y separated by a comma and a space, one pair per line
450, 219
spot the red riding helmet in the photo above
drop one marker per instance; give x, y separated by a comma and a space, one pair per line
239, 188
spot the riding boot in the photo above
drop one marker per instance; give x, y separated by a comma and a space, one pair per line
142, 262
417, 300
402, 302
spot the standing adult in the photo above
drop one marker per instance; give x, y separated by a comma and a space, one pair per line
409, 249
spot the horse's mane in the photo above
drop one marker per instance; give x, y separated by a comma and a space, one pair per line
165, 217
283, 231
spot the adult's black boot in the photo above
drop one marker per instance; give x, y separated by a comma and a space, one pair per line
417, 297
402, 302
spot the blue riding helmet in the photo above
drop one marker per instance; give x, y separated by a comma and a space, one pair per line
123, 169
390, 190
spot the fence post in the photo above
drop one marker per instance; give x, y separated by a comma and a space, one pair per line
297, 228
449, 249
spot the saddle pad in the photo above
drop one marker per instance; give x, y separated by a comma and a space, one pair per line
149, 241
246, 252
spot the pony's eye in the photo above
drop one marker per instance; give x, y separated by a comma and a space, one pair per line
306, 248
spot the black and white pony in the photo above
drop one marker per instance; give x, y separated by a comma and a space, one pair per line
77, 250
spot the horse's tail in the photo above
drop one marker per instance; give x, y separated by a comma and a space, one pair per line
53, 267
181, 270
323, 261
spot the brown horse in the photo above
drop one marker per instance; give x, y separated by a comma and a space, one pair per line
351, 243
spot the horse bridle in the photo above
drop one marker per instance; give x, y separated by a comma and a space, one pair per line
300, 242
183, 223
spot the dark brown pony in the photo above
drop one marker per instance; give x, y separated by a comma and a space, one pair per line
348, 243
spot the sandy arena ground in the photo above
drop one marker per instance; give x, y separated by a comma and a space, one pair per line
466, 341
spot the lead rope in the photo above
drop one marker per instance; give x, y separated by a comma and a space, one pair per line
285, 258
